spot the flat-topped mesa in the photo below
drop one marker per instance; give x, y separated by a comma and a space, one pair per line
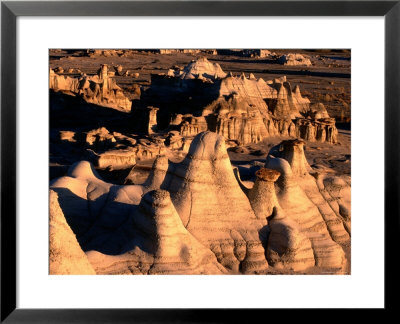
243, 109
262, 196
100, 89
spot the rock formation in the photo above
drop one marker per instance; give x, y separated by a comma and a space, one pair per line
100, 137
304, 202
242, 109
294, 59
65, 254
287, 247
262, 195
152, 120
100, 89
194, 217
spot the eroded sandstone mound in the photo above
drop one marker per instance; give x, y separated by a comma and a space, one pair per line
194, 217
65, 253
306, 203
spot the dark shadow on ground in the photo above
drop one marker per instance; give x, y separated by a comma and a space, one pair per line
70, 112
102, 225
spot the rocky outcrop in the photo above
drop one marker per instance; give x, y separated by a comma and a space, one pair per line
288, 248
207, 197
115, 159
173, 248
303, 202
100, 138
191, 125
323, 130
262, 195
201, 68
196, 216
294, 59
122, 158
68, 136
152, 120
242, 109
100, 89
65, 254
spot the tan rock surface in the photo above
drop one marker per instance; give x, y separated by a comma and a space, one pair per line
194, 216
302, 201
65, 254
100, 89
245, 109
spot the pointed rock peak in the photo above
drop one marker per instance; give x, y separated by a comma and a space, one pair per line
252, 77
261, 81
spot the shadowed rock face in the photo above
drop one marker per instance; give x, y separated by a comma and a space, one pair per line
99, 89
242, 108
193, 217
213, 207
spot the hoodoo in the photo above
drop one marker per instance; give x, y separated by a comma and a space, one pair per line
242, 109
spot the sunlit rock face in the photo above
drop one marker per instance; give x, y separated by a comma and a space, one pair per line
194, 217
65, 253
240, 108
100, 89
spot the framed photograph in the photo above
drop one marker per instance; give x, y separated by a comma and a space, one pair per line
189, 160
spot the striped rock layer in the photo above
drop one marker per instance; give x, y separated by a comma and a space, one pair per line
194, 217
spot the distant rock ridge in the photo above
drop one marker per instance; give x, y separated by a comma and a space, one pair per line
243, 109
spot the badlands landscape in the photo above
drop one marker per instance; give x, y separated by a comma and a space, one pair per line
188, 161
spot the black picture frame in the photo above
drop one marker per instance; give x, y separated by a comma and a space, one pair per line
10, 10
